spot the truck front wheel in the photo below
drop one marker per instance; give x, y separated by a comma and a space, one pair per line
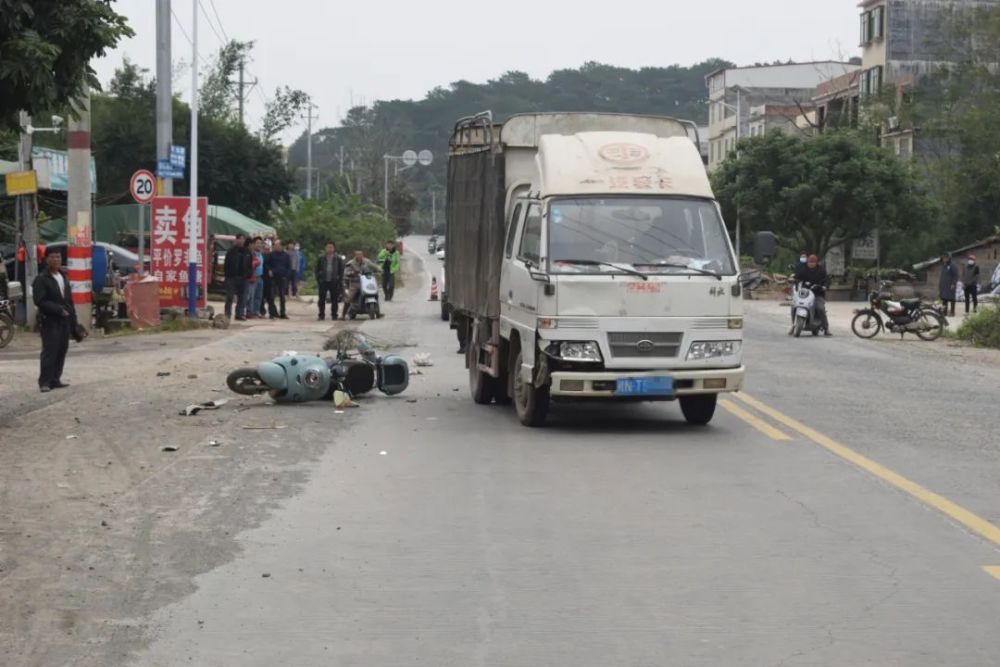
482, 386
531, 402
699, 409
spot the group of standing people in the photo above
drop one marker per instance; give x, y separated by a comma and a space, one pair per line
258, 273
949, 280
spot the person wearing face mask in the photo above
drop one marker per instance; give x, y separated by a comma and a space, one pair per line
970, 281
811, 272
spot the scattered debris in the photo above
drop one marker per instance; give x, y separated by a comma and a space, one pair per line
416, 371
422, 359
105, 523
342, 400
273, 427
192, 376
163, 374
383, 453
72, 437
169, 448
265, 575
208, 405
456, 389
411, 400
214, 443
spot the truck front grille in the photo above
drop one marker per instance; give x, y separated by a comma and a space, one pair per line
647, 344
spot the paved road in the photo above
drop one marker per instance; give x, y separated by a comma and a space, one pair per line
841, 515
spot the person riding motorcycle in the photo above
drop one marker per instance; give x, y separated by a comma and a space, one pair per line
813, 273
353, 271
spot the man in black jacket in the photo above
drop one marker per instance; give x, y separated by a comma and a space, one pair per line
279, 267
56, 318
329, 277
238, 268
813, 273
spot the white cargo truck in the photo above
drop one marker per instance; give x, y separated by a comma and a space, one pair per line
588, 259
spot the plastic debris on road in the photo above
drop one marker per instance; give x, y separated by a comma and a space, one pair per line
383, 453
272, 427
342, 400
208, 405
169, 448
422, 359
72, 437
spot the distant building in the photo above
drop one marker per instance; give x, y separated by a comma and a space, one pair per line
779, 93
901, 41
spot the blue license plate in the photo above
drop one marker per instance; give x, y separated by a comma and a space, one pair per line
651, 386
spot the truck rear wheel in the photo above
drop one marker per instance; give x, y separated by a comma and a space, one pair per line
482, 386
531, 402
699, 409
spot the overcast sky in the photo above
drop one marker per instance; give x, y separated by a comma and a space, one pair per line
362, 50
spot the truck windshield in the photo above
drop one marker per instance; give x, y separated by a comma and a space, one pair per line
653, 234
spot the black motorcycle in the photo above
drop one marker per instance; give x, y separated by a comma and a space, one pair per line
902, 317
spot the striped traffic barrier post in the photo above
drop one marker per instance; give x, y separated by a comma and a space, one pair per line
79, 269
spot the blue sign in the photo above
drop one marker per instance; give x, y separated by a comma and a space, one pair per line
53, 169
166, 169
178, 156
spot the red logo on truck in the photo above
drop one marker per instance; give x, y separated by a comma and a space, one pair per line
624, 154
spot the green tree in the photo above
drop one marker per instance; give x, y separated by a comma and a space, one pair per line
218, 95
282, 111
344, 217
45, 50
816, 193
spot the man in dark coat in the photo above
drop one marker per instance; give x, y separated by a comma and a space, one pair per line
813, 273
947, 283
56, 319
329, 277
279, 268
238, 268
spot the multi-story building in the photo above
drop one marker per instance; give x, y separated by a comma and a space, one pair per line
901, 40
787, 90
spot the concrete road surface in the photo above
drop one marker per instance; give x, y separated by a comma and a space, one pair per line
843, 511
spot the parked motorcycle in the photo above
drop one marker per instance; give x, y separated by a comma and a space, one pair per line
293, 378
7, 328
902, 317
366, 300
804, 309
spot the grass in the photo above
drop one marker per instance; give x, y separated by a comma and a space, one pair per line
982, 329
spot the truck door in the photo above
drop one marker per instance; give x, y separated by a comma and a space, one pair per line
506, 293
522, 290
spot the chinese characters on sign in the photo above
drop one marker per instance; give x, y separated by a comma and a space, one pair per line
169, 249
640, 182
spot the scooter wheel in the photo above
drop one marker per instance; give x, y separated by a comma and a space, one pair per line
372, 311
246, 381
6, 330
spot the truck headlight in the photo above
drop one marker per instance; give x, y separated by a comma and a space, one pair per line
716, 349
574, 351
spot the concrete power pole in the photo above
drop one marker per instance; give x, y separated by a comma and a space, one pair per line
309, 150
28, 225
79, 252
164, 90
242, 83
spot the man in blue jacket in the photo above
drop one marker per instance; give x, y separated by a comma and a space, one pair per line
279, 268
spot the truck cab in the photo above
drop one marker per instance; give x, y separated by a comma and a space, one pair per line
617, 280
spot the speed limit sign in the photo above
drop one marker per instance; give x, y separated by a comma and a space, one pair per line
143, 186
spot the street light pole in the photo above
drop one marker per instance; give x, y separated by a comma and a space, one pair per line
739, 122
194, 221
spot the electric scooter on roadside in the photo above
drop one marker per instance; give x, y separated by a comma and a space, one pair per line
366, 300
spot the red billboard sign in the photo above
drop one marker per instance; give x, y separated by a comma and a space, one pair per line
169, 224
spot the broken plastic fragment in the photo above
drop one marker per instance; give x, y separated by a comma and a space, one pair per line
342, 400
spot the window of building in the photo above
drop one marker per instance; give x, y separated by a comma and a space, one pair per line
873, 25
878, 19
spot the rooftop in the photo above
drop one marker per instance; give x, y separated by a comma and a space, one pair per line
791, 75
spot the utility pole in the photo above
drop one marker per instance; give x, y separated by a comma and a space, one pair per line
245, 87
30, 230
309, 149
164, 99
194, 224
242, 83
434, 210
341, 161
79, 251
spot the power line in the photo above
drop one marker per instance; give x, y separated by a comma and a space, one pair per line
217, 18
180, 26
211, 25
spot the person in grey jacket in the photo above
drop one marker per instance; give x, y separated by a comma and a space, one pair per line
970, 281
947, 283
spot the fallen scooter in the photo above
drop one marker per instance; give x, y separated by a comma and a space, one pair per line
293, 378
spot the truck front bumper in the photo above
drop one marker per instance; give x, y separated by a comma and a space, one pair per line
602, 384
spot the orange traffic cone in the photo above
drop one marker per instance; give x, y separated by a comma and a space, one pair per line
434, 289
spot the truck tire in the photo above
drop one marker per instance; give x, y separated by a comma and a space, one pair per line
699, 409
531, 402
482, 386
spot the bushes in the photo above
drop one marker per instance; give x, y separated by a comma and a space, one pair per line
343, 218
983, 328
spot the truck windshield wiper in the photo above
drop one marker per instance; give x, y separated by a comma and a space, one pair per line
596, 262
706, 272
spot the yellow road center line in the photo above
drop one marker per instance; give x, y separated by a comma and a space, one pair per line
754, 421
993, 570
958, 513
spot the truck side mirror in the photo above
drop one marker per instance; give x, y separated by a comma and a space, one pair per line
764, 245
